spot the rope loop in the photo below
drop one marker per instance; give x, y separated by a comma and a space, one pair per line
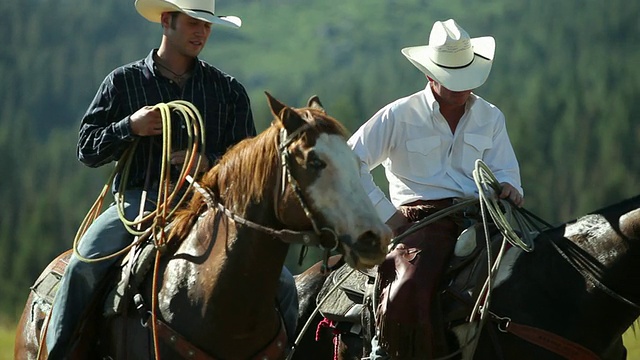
152, 222
500, 210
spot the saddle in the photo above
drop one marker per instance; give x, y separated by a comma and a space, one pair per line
344, 295
353, 303
110, 299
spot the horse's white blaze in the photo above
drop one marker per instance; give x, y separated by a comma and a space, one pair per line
339, 188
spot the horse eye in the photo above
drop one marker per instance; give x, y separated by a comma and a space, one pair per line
316, 163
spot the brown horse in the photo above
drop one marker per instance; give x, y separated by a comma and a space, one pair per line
296, 182
572, 297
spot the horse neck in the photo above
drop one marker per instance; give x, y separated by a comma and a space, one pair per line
241, 280
253, 256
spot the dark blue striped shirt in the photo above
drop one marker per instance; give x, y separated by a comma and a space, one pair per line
105, 131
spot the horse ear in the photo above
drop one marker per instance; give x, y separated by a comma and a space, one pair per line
274, 104
314, 103
289, 118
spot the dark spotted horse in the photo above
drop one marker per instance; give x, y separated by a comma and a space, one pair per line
565, 292
213, 293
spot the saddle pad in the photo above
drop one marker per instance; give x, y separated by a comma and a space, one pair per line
46, 285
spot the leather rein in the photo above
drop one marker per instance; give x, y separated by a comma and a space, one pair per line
588, 274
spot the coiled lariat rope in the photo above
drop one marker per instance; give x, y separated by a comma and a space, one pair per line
503, 213
166, 204
500, 210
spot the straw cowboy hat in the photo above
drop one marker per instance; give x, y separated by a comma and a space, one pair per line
198, 9
452, 58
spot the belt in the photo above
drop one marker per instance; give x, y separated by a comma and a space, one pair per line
420, 209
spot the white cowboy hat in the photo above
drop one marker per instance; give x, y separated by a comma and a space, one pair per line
198, 9
452, 58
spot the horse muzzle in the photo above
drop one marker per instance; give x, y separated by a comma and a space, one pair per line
367, 251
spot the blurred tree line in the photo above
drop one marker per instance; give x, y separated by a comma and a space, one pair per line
565, 75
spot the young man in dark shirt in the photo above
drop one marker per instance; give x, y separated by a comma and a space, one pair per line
121, 112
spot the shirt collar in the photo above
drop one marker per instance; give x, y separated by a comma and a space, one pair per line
431, 100
151, 65
433, 104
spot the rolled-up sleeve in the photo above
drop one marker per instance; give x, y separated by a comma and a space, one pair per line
371, 143
501, 158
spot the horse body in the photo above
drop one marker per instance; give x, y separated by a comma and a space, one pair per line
577, 289
577, 292
296, 181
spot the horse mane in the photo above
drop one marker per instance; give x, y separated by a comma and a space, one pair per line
239, 176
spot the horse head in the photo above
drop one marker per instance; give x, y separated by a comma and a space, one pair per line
319, 186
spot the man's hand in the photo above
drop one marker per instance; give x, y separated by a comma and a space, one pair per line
178, 158
146, 122
510, 192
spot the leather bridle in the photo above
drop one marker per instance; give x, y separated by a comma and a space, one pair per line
317, 237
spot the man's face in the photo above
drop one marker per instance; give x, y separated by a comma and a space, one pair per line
185, 34
446, 96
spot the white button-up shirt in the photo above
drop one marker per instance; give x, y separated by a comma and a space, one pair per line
423, 159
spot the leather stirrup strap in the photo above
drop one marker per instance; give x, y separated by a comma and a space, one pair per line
550, 341
274, 350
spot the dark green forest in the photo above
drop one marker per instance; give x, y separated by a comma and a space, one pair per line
565, 75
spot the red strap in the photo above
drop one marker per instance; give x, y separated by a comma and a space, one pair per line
550, 341
336, 335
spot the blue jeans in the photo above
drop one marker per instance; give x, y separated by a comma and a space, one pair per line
105, 236
287, 299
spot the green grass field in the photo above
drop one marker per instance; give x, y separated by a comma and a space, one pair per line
7, 335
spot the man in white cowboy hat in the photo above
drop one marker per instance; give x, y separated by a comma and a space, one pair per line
120, 113
428, 143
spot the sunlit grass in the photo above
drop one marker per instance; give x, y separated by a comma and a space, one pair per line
631, 340
7, 335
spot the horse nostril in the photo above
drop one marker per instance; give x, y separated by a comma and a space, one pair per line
369, 238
